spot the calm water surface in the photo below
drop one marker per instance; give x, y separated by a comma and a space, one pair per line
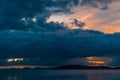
59, 74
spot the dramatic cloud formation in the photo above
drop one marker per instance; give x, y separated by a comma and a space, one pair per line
30, 14
50, 32
27, 14
101, 15
58, 44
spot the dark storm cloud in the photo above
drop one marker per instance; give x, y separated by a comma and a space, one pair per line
11, 12
69, 43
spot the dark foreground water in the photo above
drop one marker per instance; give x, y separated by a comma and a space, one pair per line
59, 74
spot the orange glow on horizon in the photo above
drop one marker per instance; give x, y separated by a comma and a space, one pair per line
23, 66
98, 61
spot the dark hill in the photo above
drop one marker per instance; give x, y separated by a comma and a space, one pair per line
83, 67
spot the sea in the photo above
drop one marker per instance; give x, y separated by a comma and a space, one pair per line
37, 74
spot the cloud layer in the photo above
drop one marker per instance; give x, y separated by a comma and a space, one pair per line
30, 14
58, 44
42, 30
101, 15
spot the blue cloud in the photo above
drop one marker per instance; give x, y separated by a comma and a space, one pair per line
69, 43
11, 12
60, 44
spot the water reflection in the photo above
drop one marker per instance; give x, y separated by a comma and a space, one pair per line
95, 77
59, 74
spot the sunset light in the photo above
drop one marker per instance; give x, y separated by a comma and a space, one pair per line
98, 61
14, 59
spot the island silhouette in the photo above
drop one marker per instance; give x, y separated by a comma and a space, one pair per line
67, 67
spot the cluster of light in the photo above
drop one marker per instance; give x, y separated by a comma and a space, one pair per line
27, 20
95, 61
14, 59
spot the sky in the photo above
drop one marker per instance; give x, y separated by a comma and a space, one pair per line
57, 32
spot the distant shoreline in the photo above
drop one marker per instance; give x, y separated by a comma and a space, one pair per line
66, 67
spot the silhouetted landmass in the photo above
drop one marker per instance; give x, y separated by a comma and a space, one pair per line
84, 67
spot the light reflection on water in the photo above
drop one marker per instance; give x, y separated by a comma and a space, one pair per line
59, 74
